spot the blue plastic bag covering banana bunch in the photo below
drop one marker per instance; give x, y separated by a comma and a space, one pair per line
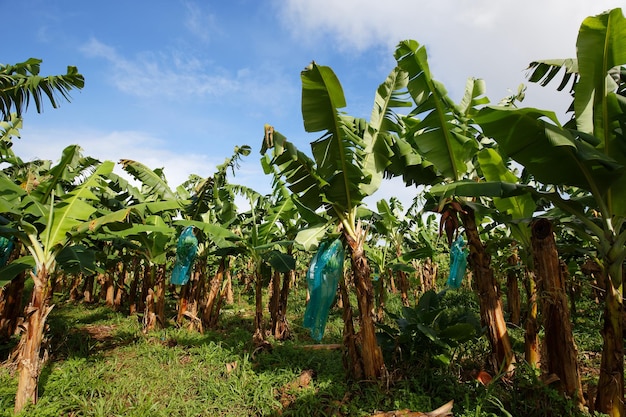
186, 250
322, 279
458, 263
6, 247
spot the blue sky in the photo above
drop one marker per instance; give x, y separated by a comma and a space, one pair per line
179, 83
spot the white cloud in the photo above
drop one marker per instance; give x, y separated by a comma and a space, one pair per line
152, 74
138, 146
175, 76
198, 22
493, 40
113, 146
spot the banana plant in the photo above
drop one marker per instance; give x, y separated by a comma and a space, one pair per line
441, 132
582, 155
263, 241
392, 226
211, 209
347, 165
282, 217
152, 227
47, 221
515, 212
588, 154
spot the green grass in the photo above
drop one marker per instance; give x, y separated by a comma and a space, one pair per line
101, 364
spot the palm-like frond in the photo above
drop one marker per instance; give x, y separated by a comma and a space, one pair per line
21, 83
441, 135
73, 209
298, 169
276, 220
213, 194
528, 136
599, 49
125, 192
544, 71
339, 153
599, 88
60, 176
152, 179
9, 128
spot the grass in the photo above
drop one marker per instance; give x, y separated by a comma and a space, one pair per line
101, 364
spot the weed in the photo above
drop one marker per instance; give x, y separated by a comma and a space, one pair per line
101, 364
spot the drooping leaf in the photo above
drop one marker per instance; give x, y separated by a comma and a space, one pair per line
99, 221
600, 47
76, 258
440, 135
10, 271
281, 262
551, 153
384, 122
221, 236
310, 237
494, 170
153, 179
21, 83
338, 154
73, 208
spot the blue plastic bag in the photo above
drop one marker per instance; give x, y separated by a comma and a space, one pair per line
322, 279
6, 247
458, 263
186, 250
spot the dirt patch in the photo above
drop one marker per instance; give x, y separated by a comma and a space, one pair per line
100, 333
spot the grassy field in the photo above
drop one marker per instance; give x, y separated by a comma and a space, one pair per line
101, 364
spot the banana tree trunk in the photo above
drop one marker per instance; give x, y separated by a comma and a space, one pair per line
74, 291
211, 309
610, 399
278, 305
146, 285
30, 358
512, 290
404, 282
561, 353
109, 289
134, 283
370, 352
120, 289
352, 359
160, 295
274, 295
259, 333
491, 312
381, 292
88, 289
150, 313
230, 296
191, 295
11, 306
428, 275
531, 326
288, 279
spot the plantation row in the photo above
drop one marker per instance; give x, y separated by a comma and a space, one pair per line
71, 224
